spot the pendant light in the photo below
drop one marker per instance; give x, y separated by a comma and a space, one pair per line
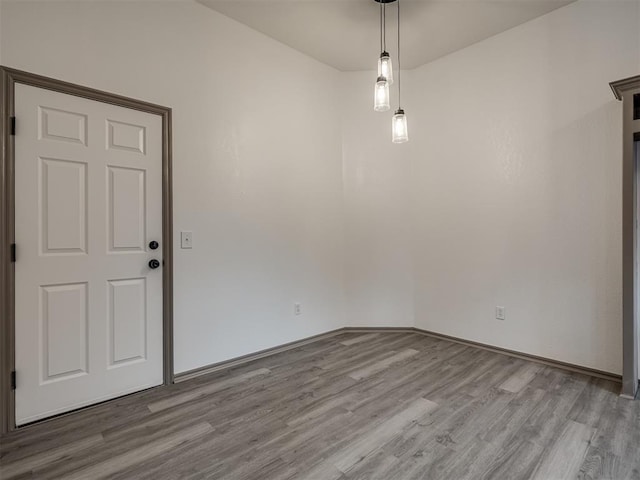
399, 127
385, 67
399, 131
385, 70
381, 95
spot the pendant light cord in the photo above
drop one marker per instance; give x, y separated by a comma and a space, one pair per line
399, 102
381, 47
384, 26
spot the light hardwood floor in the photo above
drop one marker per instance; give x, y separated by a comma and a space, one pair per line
355, 406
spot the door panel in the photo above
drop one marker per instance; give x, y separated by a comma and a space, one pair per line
63, 209
127, 213
124, 136
65, 320
62, 125
127, 321
88, 202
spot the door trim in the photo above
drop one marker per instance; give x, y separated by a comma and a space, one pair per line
624, 90
8, 78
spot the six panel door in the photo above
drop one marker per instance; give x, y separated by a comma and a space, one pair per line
88, 195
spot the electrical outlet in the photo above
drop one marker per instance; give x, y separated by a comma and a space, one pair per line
186, 240
297, 309
500, 313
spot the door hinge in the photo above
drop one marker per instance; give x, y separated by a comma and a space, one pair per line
13, 380
13, 252
12, 125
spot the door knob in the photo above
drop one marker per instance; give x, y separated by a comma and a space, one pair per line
153, 245
153, 263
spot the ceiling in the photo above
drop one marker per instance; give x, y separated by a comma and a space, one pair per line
345, 33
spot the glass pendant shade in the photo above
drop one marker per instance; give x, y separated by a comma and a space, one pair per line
385, 67
399, 131
381, 95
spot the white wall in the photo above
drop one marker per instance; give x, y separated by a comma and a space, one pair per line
378, 277
516, 185
257, 159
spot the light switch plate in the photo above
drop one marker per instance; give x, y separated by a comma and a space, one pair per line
186, 239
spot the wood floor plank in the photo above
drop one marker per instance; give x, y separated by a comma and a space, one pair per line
358, 339
318, 411
322, 470
213, 457
418, 439
471, 422
605, 465
378, 436
598, 396
521, 378
374, 467
549, 416
464, 464
154, 449
10, 467
617, 429
470, 368
383, 364
516, 459
50, 434
370, 352
502, 427
426, 463
205, 390
564, 458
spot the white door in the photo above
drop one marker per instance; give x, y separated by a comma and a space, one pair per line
88, 195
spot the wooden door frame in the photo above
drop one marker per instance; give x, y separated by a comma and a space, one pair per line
8, 79
625, 90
